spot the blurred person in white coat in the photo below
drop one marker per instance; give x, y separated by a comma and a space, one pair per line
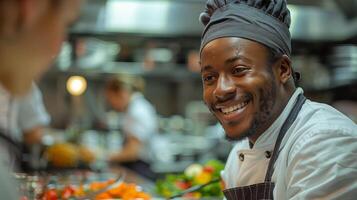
24, 120
124, 94
31, 34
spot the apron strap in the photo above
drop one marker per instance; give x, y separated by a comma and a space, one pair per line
288, 122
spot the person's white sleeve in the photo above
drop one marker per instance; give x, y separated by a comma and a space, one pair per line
323, 165
141, 122
32, 111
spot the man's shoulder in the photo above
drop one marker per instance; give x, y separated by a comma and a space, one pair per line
139, 103
320, 117
140, 112
320, 123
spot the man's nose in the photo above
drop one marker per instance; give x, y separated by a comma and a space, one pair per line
225, 88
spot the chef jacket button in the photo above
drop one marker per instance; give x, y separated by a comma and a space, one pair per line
241, 157
267, 154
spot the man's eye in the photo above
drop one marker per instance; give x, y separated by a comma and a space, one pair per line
208, 78
239, 70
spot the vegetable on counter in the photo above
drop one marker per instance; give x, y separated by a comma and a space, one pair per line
124, 191
194, 175
68, 155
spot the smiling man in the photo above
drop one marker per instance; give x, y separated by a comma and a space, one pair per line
256, 104
288, 147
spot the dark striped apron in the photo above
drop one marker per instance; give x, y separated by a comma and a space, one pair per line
264, 191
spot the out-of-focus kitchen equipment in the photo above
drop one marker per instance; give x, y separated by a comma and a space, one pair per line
183, 141
93, 53
314, 75
343, 65
200, 117
312, 20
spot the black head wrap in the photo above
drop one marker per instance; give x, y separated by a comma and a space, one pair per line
263, 21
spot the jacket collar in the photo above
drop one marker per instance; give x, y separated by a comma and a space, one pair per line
268, 138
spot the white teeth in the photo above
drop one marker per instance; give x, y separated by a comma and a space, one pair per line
233, 108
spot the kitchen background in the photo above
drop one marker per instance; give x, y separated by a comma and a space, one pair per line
159, 40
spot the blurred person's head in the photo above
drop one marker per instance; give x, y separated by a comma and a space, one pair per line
31, 34
119, 89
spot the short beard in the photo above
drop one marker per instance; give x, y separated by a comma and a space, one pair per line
266, 105
250, 132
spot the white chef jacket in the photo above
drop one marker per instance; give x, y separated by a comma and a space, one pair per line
18, 115
317, 160
8, 110
32, 111
140, 120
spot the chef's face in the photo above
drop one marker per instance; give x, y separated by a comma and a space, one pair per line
239, 86
118, 99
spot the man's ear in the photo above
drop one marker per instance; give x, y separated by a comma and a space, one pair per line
284, 69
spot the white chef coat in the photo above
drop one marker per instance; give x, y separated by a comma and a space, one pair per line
18, 115
8, 110
32, 111
8, 125
317, 160
140, 120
